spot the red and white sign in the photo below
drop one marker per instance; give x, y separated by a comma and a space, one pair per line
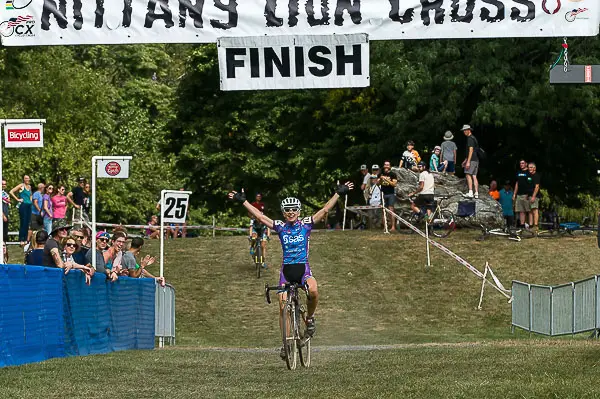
17, 135
588, 74
113, 169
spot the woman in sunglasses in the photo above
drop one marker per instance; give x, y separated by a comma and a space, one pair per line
294, 234
70, 245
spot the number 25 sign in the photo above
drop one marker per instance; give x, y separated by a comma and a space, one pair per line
175, 206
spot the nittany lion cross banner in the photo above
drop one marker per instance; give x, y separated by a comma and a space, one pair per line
56, 22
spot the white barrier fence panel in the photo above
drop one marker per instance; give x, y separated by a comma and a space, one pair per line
164, 320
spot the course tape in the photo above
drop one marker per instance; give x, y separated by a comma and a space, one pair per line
445, 250
146, 226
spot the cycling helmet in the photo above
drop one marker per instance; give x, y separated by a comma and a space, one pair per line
289, 203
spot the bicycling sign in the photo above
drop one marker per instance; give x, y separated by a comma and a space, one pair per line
175, 206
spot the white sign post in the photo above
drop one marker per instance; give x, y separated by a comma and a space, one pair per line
174, 206
114, 167
19, 133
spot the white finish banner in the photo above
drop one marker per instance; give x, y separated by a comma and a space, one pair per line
113, 169
293, 62
62, 22
18, 135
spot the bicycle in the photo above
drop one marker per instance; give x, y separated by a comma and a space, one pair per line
441, 223
296, 342
257, 249
511, 233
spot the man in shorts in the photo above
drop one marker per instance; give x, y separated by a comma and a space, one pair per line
534, 199
449, 152
424, 192
471, 163
521, 193
387, 180
294, 234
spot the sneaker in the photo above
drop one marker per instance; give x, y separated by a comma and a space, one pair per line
311, 326
476, 195
282, 353
468, 195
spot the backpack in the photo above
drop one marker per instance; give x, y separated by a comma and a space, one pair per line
481, 154
466, 208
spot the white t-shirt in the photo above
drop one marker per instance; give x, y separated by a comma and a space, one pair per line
428, 182
366, 179
375, 196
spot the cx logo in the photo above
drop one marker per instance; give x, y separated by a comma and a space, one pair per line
21, 25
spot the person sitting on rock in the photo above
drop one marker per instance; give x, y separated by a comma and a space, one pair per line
410, 157
424, 192
434, 162
494, 193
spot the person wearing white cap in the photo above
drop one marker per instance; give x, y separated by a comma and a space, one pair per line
471, 163
448, 153
365, 183
376, 215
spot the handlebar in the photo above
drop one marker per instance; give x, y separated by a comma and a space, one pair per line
283, 288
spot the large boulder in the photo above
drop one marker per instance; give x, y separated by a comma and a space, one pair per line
487, 210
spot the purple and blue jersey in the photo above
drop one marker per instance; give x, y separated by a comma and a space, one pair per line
294, 239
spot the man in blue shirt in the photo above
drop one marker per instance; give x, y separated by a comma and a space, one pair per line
506, 201
294, 234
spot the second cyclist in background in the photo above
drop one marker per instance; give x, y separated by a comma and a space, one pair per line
257, 229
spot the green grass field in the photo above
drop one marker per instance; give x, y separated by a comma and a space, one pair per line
386, 326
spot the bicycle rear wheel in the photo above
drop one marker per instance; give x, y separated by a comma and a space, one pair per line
443, 223
304, 344
289, 340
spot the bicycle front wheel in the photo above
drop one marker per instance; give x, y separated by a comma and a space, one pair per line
443, 223
304, 344
289, 340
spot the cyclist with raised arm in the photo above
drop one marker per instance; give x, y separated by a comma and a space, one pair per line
294, 234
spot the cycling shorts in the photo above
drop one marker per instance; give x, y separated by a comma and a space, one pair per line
264, 233
294, 273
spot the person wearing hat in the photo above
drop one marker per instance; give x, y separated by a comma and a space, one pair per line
53, 250
434, 162
471, 163
102, 238
448, 152
366, 182
35, 255
424, 192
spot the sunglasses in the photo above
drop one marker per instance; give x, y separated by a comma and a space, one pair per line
63, 229
104, 239
291, 210
78, 237
70, 244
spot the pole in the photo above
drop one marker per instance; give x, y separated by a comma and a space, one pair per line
94, 160
162, 233
427, 239
214, 225
384, 214
345, 206
482, 285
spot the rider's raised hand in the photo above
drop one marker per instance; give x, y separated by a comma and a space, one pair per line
343, 189
235, 196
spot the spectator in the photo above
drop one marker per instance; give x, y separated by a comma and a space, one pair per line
139, 270
152, 231
59, 204
5, 210
366, 180
53, 249
79, 255
5, 251
494, 193
387, 179
87, 203
424, 192
535, 195
522, 189
70, 246
37, 219
506, 201
471, 163
410, 157
47, 213
24, 205
102, 238
113, 256
449, 152
375, 198
35, 256
76, 197
435, 165
258, 204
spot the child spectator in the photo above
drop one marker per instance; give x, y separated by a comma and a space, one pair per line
139, 270
448, 153
48, 213
494, 193
24, 205
36, 256
435, 165
506, 201
410, 157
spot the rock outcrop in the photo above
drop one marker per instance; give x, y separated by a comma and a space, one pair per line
487, 210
